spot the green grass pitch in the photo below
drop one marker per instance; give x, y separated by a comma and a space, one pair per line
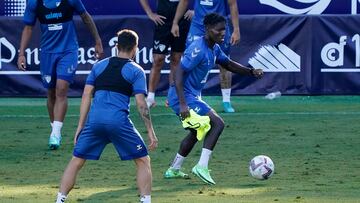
313, 141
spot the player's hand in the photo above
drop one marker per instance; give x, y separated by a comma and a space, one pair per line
175, 30
157, 19
235, 37
153, 141
189, 15
258, 73
99, 51
21, 63
184, 112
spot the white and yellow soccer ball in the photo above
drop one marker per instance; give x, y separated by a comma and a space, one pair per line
261, 167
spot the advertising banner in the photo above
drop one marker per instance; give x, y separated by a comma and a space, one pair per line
125, 7
302, 54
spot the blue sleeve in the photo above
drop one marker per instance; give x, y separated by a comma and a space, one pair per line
221, 57
91, 77
192, 57
78, 5
135, 75
30, 13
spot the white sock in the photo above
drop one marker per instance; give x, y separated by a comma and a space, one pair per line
145, 199
226, 94
204, 158
60, 198
178, 161
151, 96
56, 128
51, 124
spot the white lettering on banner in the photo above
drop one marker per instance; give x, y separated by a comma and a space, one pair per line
4, 43
272, 59
317, 7
332, 54
354, 4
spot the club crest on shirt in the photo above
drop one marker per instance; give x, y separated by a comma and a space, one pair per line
159, 46
47, 78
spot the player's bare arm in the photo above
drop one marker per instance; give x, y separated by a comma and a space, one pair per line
157, 19
235, 36
145, 115
241, 69
184, 110
84, 108
88, 21
180, 11
25, 38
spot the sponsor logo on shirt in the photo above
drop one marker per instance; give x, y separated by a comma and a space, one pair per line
53, 16
54, 27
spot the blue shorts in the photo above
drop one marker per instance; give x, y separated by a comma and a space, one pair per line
94, 137
55, 66
195, 103
196, 32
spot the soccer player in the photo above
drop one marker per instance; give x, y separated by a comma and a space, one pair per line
163, 40
112, 81
59, 52
197, 29
190, 78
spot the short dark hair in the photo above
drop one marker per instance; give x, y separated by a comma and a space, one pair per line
127, 40
212, 19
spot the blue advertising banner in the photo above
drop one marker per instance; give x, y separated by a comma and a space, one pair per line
302, 54
122, 7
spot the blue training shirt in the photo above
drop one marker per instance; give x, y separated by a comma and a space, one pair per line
109, 106
57, 37
197, 61
203, 7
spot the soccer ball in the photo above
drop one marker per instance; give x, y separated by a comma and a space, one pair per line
261, 167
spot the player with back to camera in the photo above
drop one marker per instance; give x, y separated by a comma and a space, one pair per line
105, 119
197, 29
185, 95
163, 40
59, 52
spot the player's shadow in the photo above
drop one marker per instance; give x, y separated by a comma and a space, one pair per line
126, 195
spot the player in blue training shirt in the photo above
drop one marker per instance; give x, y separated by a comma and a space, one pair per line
59, 52
112, 81
190, 78
197, 29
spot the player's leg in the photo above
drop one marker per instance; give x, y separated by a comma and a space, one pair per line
226, 76
69, 178
160, 49
225, 83
49, 77
144, 178
155, 73
178, 47
174, 63
201, 168
51, 103
186, 145
65, 72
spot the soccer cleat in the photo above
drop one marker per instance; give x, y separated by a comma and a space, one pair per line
203, 174
175, 173
228, 108
54, 142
